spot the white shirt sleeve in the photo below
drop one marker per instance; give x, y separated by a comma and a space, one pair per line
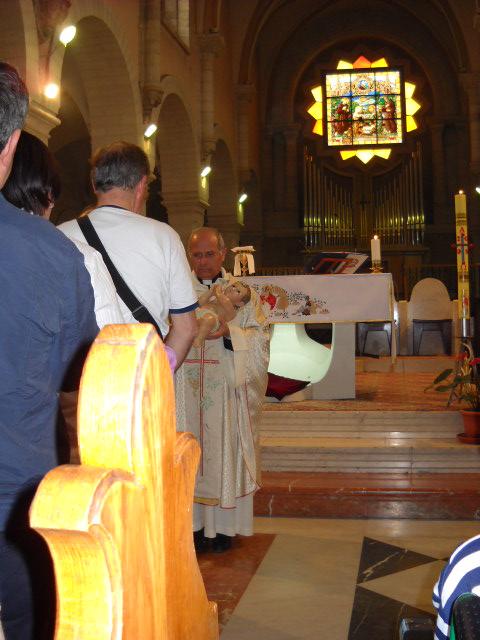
107, 309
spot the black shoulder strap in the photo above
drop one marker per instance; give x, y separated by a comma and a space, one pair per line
139, 311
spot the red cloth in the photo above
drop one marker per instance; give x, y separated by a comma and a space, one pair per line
279, 387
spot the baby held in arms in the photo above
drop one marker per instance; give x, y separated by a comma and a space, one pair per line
219, 304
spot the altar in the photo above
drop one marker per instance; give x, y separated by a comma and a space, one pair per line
290, 302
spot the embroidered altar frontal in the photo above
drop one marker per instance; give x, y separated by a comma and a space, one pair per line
325, 298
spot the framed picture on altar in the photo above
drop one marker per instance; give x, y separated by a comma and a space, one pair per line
336, 262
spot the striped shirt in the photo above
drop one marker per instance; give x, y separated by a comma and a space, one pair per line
460, 575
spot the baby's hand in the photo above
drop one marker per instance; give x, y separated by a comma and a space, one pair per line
222, 330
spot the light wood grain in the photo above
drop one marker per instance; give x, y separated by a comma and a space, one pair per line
119, 525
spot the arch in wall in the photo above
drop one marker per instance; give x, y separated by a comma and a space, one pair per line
289, 52
112, 99
222, 212
98, 105
324, 30
106, 66
267, 19
177, 159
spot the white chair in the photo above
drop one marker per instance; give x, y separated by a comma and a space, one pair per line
430, 319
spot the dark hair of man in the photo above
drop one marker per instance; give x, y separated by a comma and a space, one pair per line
33, 183
120, 165
13, 102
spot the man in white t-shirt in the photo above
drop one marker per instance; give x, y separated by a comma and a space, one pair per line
148, 254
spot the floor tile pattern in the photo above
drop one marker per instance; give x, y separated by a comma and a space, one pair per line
335, 579
226, 575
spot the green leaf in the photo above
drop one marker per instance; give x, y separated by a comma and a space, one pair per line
442, 376
445, 387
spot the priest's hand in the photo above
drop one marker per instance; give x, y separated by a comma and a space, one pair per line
222, 331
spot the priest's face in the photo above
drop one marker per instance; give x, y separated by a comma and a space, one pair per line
205, 256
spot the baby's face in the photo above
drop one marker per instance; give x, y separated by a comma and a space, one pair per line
236, 292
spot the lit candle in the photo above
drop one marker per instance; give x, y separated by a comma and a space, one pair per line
375, 249
460, 202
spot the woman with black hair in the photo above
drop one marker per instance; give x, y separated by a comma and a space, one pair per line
34, 185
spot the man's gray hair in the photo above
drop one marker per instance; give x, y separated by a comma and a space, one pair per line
121, 165
13, 102
216, 233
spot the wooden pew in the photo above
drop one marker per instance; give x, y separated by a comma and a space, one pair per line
119, 525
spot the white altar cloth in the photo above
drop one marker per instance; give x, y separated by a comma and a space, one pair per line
289, 302
361, 297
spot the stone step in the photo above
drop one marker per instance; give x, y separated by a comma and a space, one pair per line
361, 424
369, 495
368, 455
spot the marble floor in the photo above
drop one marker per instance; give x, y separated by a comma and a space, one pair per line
304, 579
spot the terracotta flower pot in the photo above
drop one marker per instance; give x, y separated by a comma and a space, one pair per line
471, 427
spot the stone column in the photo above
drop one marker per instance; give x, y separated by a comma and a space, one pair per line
285, 177
185, 211
210, 45
245, 93
252, 230
152, 94
291, 132
471, 84
438, 167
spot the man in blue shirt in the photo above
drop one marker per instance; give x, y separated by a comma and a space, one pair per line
46, 318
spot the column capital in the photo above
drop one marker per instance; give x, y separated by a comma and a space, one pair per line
211, 43
41, 120
152, 97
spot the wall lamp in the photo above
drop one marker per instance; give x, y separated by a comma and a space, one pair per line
51, 90
67, 34
150, 130
205, 171
477, 189
242, 197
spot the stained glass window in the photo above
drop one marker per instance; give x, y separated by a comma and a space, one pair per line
364, 107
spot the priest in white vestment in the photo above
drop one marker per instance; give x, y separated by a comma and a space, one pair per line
219, 391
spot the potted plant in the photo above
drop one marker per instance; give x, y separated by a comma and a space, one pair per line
463, 383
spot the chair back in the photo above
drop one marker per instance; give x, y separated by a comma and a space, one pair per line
430, 301
119, 525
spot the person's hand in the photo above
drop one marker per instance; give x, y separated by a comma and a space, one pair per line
222, 330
